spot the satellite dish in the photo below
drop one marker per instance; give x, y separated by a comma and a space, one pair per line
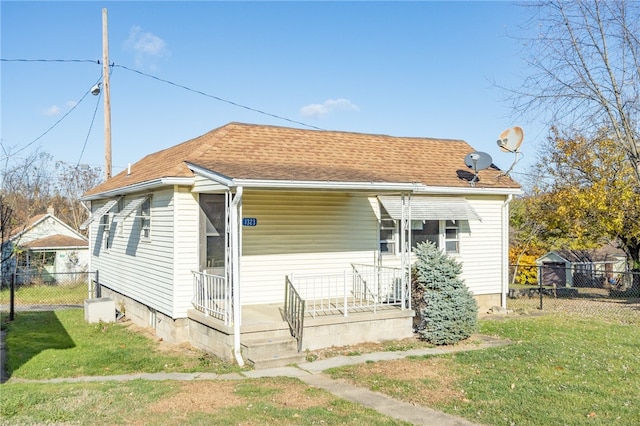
511, 139
477, 161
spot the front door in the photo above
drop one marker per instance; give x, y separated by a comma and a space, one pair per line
213, 230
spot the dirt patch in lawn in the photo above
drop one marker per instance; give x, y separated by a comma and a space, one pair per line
425, 381
210, 396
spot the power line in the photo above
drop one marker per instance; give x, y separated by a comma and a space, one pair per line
217, 98
90, 127
94, 61
98, 61
56, 123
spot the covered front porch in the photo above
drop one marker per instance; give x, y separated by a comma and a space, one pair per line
364, 304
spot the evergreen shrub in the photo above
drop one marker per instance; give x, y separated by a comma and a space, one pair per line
446, 311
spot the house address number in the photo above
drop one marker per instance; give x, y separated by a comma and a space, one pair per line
249, 221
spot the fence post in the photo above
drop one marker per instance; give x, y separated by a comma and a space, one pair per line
540, 286
98, 288
12, 297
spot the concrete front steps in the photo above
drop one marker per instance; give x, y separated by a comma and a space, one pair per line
272, 352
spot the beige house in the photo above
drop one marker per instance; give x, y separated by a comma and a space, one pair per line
254, 233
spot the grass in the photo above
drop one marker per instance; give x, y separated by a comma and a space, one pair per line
561, 370
45, 345
35, 294
281, 401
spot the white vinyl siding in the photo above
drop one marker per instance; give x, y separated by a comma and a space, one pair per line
203, 184
186, 248
142, 270
302, 233
481, 247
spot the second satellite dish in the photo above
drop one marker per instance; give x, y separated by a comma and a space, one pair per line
511, 139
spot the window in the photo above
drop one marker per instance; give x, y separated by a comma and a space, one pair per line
388, 233
105, 223
451, 237
214, 227
119, 225
443, 233
145, 219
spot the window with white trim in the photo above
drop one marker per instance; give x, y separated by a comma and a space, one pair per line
443, 233
451, 236
119, 225
388, 233
145, 220
105, 224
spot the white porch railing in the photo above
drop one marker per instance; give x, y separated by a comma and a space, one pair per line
362, 287
212, 295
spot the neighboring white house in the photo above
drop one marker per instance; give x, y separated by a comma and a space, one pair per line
45, 246
201, 236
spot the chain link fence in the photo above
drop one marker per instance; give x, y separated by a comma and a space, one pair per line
43, 291
610, 294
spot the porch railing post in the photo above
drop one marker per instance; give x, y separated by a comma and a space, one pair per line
344, 292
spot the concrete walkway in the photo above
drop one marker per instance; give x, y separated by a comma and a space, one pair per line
311, 374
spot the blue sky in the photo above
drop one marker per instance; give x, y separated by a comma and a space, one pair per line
397, 68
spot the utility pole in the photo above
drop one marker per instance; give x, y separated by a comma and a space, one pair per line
107, 96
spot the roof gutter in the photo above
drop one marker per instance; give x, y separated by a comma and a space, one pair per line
143, 186
448, 190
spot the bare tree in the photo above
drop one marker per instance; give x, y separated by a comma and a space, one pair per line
585, 69
72, 182
28, 186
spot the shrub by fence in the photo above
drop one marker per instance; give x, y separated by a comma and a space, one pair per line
611, 294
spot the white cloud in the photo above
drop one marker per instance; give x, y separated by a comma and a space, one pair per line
52, 110
71, 104
145, 45
328, 106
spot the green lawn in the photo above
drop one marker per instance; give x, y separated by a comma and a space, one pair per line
44, 345
559, 370
72, 293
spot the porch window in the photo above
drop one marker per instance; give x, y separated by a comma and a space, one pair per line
214, 228
388, 233
145, 220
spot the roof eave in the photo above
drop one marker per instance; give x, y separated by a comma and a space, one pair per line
324, 185
142, 186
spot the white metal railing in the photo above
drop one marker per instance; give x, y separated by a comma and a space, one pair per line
362, 287
212, 295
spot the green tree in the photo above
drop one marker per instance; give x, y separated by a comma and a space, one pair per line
447, 312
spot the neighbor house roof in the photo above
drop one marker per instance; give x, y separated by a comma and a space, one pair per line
57, 241
261, 152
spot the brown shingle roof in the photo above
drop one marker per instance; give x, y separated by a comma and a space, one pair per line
260, 152
55, 241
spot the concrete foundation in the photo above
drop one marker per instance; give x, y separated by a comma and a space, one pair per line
487, 301
169, 329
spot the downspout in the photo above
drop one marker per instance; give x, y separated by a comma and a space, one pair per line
505, 251
235, 274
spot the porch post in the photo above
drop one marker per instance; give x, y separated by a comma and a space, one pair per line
405, 249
